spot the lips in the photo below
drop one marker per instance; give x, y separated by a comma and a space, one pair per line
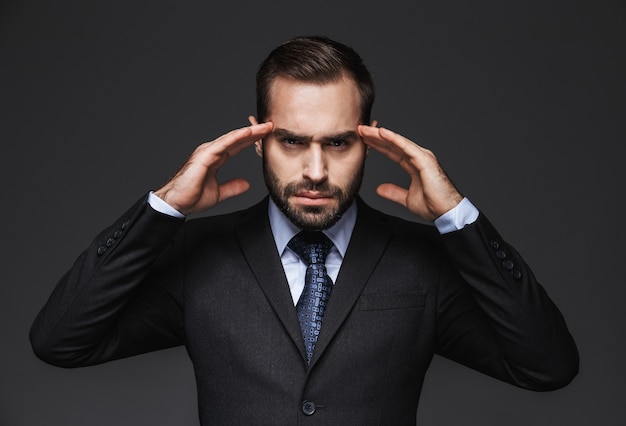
312, 198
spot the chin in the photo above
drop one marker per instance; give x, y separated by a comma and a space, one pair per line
313, 218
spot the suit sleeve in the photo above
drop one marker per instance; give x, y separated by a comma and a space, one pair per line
494, 316
120, 298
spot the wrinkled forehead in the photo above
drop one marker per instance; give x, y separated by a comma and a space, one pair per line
314, 109
282, 88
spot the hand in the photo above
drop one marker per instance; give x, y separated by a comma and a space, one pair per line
194, 188
430, 193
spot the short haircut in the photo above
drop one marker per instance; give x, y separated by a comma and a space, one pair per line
314, 59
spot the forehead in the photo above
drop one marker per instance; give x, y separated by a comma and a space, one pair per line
303, 106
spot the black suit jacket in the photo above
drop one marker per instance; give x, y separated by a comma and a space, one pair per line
217, 285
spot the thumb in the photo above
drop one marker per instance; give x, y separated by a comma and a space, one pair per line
393, 193
232, 188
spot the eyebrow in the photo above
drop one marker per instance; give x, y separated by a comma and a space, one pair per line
287, 134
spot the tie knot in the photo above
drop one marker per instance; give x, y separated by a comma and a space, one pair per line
311, 246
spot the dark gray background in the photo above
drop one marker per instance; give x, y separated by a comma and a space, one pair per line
524, 103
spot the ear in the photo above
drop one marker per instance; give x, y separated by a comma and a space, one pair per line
258, 145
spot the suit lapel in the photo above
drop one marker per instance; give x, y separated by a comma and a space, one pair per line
257, 244
367, 244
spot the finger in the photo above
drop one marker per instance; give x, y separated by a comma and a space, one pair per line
232, 142
259, 136
246, 141
393, 192
385, 137
417, 154
236, 140
258, 143
232, 188
407, 146
372, 137
400, 149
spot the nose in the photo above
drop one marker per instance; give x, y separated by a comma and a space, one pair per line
315, 167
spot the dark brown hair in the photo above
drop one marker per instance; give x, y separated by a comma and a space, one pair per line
314, 59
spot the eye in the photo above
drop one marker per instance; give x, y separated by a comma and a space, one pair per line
290, 141
338, 143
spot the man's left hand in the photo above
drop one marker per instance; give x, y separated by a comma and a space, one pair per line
430, 193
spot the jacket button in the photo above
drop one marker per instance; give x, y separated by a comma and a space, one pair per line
508, 264
516, 274
110, 242
101, 250
501, 254
308, 408
118, 233
495, 244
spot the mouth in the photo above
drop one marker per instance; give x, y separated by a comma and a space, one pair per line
312, 198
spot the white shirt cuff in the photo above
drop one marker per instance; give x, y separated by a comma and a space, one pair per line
162, 207
453, 220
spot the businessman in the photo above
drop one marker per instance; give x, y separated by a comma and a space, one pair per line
309, 307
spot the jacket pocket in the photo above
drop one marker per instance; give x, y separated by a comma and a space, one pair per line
381, 301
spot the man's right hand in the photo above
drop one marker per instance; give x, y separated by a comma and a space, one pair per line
194, 188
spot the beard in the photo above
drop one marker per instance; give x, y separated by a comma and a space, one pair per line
312, 218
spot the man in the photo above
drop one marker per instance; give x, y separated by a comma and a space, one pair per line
276, 337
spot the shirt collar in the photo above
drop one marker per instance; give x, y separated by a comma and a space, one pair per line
284, 230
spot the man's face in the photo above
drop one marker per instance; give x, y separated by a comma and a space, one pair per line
313, 160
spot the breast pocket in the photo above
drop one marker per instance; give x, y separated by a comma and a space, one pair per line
384, 301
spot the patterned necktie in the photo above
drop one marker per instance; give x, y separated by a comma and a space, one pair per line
312, 247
